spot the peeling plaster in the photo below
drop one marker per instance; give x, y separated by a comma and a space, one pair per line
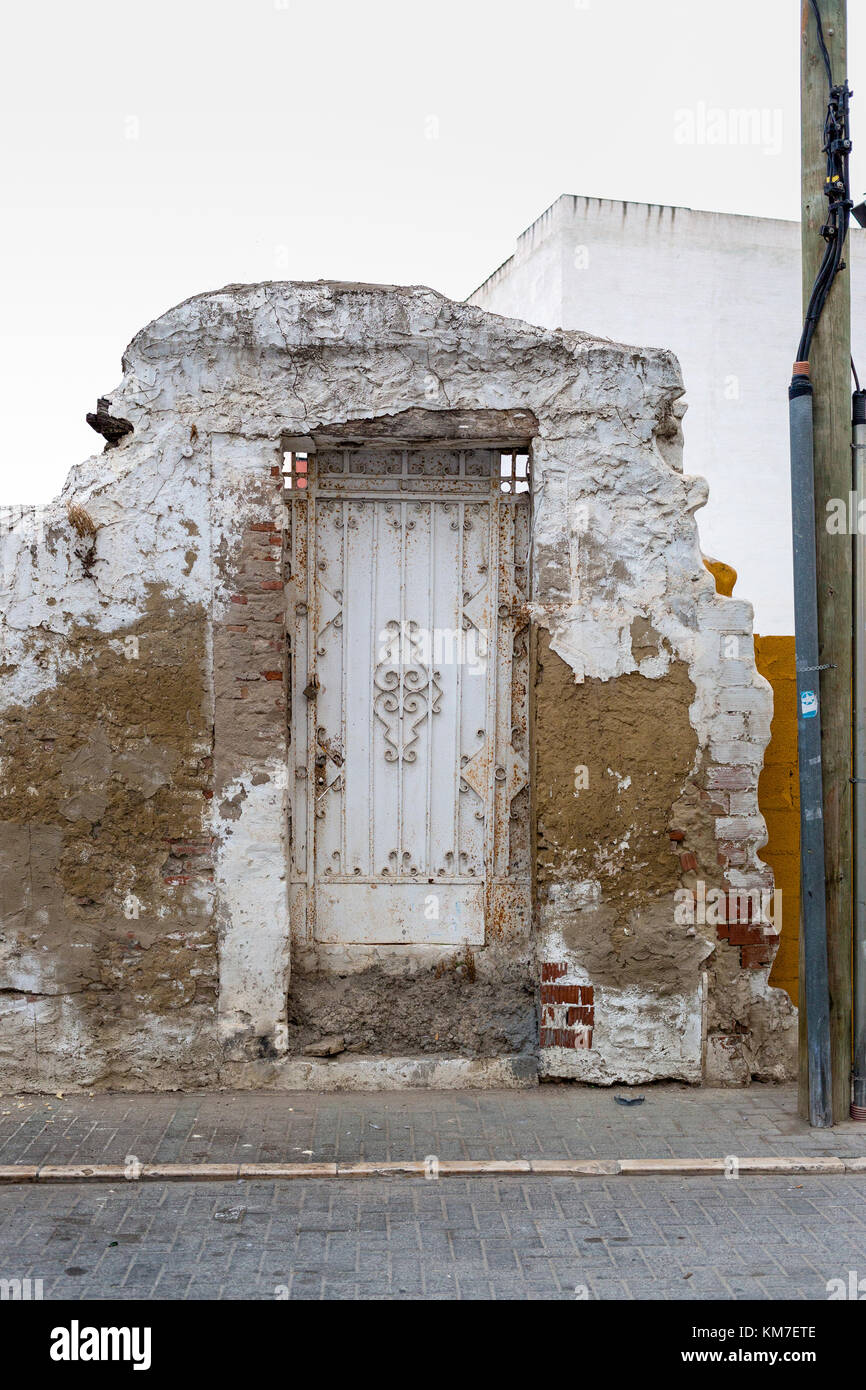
618, 585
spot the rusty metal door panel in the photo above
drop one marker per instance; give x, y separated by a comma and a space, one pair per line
406, 610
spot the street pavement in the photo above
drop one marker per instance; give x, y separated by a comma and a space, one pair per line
527, 1237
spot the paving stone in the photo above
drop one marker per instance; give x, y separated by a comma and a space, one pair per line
527, 1235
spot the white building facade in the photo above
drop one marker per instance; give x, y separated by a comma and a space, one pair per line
721, 291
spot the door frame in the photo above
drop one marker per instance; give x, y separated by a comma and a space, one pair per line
508, 432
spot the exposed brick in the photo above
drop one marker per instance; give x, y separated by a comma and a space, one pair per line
741, 828
744, 934
582, 1013
688, 862
677, 835
264, 557
239, 598
261, 526
270, 584
553, 969
734, 779
272, 675
754, 957
740, 906
567, 994
557, 1037
732, 852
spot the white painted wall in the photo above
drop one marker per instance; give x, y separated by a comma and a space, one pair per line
723, 292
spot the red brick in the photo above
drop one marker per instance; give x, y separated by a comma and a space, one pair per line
239, 598
272, 675
270, 584
753, 957
677, 836
276, 471
739, 906
566, 994
744, 934
552, 969
688, 862
261, 526
557, 1037
583, 1013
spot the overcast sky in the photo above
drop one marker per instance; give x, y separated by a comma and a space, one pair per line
153, 151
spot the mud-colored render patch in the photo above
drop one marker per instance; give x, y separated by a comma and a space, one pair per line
448, 1009
157, 829
620, 975
612, 757
104, 852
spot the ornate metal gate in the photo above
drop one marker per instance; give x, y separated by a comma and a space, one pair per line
407, 600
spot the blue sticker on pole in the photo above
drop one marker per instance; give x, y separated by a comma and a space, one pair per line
808, 703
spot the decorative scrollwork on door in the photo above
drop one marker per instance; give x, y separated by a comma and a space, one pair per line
407, 692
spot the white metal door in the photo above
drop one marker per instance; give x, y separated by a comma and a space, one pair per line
407, 694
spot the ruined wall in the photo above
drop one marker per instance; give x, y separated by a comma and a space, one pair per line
685, 928
146, 812
108, 952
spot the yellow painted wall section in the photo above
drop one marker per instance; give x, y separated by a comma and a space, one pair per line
779, 801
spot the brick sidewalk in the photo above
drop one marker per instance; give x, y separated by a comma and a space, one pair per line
487, 1238
551, 1121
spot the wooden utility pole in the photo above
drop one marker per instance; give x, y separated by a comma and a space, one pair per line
830, 358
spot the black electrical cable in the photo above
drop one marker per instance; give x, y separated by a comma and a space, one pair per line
821, 44
837, 147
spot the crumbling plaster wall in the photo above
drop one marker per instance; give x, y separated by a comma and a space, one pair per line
146, 939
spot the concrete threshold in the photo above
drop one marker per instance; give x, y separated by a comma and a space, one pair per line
429, 1168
